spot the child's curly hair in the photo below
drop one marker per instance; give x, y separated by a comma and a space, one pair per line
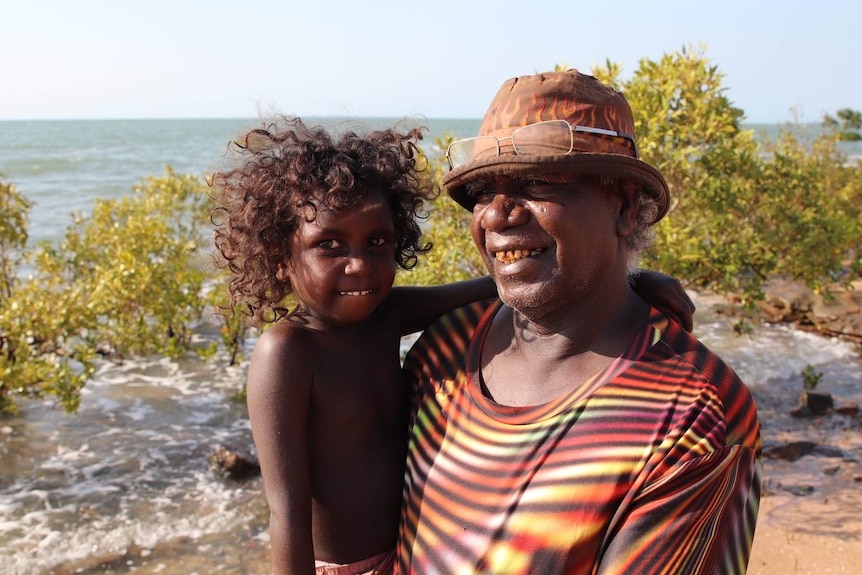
289, 168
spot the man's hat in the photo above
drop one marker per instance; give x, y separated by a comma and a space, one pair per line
600, 123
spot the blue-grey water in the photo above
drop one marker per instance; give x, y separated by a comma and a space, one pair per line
123, 486
62, 166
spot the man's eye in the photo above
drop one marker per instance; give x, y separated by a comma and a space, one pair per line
534, 182
484, 198
543, 190
476, 189
483, 194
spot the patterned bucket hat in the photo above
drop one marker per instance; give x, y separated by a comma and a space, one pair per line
553, 123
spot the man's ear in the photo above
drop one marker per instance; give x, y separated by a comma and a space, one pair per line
630, 196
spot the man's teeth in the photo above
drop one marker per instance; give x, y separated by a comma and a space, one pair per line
511, 256
361, 292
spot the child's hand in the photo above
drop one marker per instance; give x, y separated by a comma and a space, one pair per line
666, 294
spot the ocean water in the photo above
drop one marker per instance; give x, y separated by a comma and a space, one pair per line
124, 486
62, 166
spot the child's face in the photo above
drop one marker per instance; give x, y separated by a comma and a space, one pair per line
343, 263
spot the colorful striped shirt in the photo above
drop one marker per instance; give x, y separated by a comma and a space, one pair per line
651, 467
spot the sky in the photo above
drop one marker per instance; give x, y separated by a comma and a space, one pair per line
783, 60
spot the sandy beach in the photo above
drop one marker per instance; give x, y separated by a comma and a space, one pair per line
810, 517
817, 533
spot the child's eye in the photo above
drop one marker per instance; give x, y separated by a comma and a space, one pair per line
378, 241
329, 244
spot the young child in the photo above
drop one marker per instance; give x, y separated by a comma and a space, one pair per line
328, 220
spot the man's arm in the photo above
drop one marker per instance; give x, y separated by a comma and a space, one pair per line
695, 510
699, 519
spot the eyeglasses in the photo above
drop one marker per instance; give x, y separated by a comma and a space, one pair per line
553, 137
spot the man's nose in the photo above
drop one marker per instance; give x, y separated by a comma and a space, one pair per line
503, 211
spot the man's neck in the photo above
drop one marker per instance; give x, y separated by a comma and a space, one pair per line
525, 362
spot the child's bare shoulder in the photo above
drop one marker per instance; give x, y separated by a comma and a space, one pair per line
283, 338
281, 356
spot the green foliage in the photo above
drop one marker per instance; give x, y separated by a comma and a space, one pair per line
849, 126
742, 327
14, 211
811, 377
454, 256
125, 280
233, 327
741, 211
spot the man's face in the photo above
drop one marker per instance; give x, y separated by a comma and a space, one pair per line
549, 243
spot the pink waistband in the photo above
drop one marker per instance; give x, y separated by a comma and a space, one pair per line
380, 564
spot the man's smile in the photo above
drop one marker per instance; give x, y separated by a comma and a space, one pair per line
512, 256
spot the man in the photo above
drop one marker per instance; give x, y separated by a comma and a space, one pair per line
570, 428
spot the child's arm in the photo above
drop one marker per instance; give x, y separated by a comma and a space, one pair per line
420, 306
666, 294
279, 389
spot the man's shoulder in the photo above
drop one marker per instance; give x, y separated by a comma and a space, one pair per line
679, 362
677, 345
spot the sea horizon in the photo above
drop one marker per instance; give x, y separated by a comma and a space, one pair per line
63, 165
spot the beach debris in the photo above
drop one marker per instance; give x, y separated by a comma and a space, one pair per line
799, 490
794, 450
846, 408
230, 464
813, 405
817, 402
790, 451
837, 313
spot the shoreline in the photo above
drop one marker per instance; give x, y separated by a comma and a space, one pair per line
810, 518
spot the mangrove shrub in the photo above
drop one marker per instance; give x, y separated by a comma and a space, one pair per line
127, 279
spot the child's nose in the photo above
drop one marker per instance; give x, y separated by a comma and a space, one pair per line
358, 265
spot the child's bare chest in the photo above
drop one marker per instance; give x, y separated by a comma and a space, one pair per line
357, 387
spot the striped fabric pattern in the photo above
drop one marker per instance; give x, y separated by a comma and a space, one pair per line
652, 467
